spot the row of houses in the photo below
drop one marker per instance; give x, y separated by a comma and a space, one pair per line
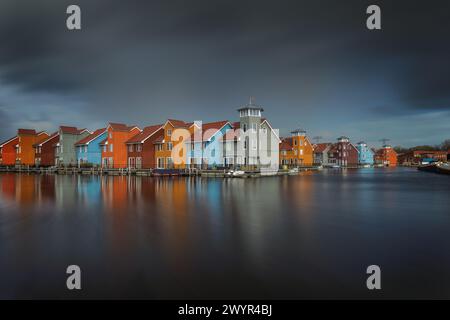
299, 151
175, 144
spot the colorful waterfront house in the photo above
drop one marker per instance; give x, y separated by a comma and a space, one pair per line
114, 148
206, 147
8, 152
416, 157
343, 153
296, 150
365, 154
45, 151
141, 147
165, 144
321, 151
25, 153
386, 156
65, 148
88, 149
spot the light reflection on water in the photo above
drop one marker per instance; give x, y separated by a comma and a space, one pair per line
305, 236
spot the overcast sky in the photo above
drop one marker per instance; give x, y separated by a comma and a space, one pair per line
310, 64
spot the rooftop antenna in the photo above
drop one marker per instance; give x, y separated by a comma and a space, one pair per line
252, 99
317, 138
384, 140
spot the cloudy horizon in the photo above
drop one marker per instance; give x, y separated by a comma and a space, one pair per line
310, 64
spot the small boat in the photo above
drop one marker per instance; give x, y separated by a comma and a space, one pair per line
436, 167
236, 173
293, 171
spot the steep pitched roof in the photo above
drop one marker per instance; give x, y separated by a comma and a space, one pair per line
91, 137
320, 147
42, 136
160, 139
12, 140
46, 139
146, 133
209, 129
286, 144
179, 123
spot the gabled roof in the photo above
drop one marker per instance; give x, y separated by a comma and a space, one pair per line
47, 139
26, 131
12, 140
286, 144
210, 129
91, 137
121, 127
268, 123
321, 147
145, 134
42, 136
179, 123
70, 130
158, 140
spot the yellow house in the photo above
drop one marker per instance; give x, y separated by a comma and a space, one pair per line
170, 148
296, 150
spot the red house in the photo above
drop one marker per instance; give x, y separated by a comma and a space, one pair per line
141, 147
8, 152
45, 151
343, 153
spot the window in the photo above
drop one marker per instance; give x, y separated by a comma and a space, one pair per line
110, 148
61, 150
169, 162
244, 127
110, 135
169, 132
130, 148
301, 152
104, 148
169, 146
283, 152
295, 152
160, 163
301, 142
295, 142
85, 149
254, 126
139, 148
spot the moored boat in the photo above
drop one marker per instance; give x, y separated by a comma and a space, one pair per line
436, 167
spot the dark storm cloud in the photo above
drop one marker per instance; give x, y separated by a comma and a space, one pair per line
136, 60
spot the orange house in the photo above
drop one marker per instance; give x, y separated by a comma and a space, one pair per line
25, 152
386, 156
165, 144
8, 152
114, 148
296, 150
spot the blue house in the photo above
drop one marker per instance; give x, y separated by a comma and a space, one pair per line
365, 154
205, 149
88, 150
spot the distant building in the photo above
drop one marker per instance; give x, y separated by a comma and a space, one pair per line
257, 143
321, 151
296, 150
416, 157
25, 152
65, 147
88, 149
141, 147
365, 154
386, 156
8, 151
45, 151
343, 153
206, 147
114, 148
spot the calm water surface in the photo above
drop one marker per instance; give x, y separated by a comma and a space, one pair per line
306, 236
